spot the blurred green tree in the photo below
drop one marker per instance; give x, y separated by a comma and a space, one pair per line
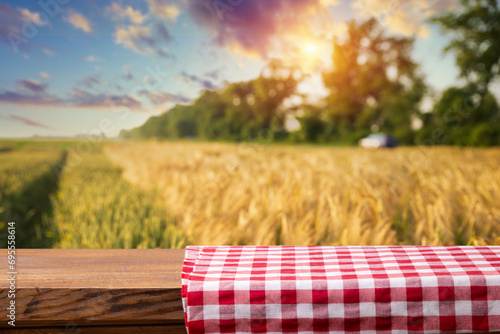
374, 85
462, 117
469, 115
475, 31
313, 126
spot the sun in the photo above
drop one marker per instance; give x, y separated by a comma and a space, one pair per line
310, 48
309, 54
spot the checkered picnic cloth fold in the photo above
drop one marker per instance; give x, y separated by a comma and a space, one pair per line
337, 289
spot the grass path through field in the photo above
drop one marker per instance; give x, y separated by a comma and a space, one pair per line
28, 179
97, 208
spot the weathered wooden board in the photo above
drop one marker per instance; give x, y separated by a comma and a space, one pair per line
94, 287
150, 329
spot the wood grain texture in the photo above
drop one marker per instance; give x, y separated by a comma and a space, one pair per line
94, 287
150, 329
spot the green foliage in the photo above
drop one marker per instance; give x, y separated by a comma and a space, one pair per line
463, 117
312, 129
475, 28
469, 115
374, 83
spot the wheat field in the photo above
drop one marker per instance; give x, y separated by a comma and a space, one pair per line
242, 194
96, 208
171, 194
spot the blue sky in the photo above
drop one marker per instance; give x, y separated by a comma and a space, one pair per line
74, 67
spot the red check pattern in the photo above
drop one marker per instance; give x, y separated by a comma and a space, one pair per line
338, 289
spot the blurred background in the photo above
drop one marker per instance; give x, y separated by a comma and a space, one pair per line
163, 123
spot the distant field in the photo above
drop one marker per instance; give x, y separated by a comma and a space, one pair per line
147, 195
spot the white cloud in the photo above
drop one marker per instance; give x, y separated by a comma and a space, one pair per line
404, 17
48, 52
91, 58
32, 86
145, 40
164, 9
30, 92
136, 38
32, 17
164, 98
127, 72
119, 13
78, 21
45, 75
327, 3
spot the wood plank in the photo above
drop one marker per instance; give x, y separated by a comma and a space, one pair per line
93, 287
150, 329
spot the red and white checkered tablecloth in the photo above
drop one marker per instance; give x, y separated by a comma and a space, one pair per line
337, 289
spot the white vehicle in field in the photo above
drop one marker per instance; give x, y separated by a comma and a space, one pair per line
378, 140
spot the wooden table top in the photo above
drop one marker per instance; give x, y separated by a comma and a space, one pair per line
89, 287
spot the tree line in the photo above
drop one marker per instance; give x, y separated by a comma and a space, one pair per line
374, 86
